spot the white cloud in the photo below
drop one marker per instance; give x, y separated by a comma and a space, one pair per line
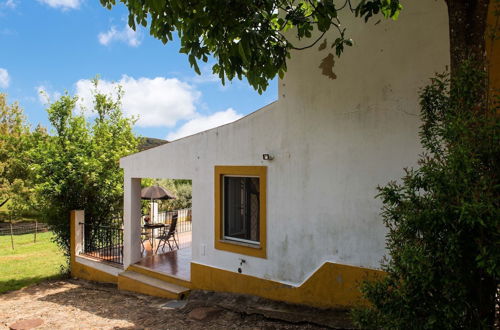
4, 78
45, 96
62, 4
202, 123
126, 35
157, 102
10, 4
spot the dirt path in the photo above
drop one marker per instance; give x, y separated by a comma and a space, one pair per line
75, 304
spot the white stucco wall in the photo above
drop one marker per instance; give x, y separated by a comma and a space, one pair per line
334, 141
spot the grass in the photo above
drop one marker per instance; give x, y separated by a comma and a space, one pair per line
29, 262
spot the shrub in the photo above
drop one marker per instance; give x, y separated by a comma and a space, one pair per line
443, 217
77, 167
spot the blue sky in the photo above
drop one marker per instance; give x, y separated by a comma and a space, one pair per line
58, 45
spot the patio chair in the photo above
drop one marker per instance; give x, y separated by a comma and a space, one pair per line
145, 236
168, 236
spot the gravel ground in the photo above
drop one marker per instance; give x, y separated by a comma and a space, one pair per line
77, 304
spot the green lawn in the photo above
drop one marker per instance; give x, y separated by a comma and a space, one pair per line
29, 262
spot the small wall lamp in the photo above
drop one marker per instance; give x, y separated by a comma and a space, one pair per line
267, 157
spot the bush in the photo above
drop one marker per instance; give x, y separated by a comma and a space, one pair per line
77, 167
443, 218
181, 188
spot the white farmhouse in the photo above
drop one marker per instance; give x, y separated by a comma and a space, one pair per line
283, 199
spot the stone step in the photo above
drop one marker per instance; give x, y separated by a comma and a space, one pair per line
136, 282
161, 276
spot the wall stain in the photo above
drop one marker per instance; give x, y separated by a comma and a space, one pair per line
326, 66
323, 45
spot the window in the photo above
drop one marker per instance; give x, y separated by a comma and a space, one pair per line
240, 209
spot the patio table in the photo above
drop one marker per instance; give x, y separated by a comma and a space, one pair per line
152, 227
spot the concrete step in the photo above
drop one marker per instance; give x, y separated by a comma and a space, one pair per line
161, 276
136, 282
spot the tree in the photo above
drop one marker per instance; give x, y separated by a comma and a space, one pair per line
443, 219
246, 37
181, 188
468, 28
254, 38
78, 166
14, 141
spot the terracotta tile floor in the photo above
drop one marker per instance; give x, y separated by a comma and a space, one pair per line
176, 263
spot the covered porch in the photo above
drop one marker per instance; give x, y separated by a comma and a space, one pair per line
176, 263
148, 247
174, 260
105, 244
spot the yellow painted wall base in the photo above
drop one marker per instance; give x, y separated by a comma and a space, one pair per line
79, 270
332, 286
128, 284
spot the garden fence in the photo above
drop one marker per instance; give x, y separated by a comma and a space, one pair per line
14, 229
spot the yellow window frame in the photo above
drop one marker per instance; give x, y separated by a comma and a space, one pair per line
234, 246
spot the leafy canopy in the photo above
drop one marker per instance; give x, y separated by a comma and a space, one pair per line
250, 38
181, 188
78, 166
15, 139
443, 218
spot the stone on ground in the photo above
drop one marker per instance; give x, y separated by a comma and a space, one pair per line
26, 324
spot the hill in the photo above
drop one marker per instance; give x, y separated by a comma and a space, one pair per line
148, 143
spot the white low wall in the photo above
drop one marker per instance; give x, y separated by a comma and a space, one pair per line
78, 218
102, 266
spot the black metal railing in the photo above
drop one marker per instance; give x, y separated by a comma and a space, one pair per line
184, 219
103, 242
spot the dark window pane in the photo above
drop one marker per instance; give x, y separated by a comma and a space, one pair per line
241, 208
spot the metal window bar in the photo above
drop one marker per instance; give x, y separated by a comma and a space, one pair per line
103, 242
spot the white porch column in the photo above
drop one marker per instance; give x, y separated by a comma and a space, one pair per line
153, 206
76, 234
131, 221
78, 219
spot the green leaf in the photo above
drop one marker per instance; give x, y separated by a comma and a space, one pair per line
241, 51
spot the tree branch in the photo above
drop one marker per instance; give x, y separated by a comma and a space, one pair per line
5, 201
311, 45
